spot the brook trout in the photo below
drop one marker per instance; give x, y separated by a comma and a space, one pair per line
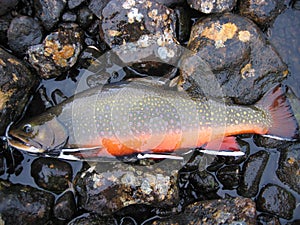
139, 117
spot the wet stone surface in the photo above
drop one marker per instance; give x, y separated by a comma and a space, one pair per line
116, 185
226, 211
7, 5
49, 11
23, 32
251, 174
289, 167
276, 200
261, 12
236, 51
92, 219
65, 206
207, 6
16, 85
51, 174
58, 52
24, 205
229, 176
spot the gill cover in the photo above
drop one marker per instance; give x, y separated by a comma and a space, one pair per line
38, 136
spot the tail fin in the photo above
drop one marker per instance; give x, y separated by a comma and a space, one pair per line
284, 124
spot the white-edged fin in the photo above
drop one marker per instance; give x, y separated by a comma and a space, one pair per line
278, 138
158, 156
67, 157
80, 149
222, 153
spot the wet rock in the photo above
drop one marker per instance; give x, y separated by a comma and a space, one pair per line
264, 219
74, 3
295, 222
51, 174
65, 206
239, 57
7, 5
24, 205
22, 33
4, 25
183, 24
252, 171
261, 12
69, 17
96, 6
206, 6
16, 85
111, 186
170, 2
141, 33
85, 17
223, 211
58, 52
229, 176
92, 219
289, 167
49, 11
276, 200
203, 182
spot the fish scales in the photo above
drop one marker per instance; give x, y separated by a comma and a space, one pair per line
139, 117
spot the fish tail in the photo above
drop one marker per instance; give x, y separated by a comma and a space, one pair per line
284, 124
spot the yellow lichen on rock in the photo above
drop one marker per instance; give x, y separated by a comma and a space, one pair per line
4, 97
220, 33
247, 71
244, 35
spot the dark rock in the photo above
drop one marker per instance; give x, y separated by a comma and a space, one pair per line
74, 3
296, 4
170, 2
4, 25
264, 219
142, 34
51, 174
251, 174
7, 5
65, 206
295, 222
49, 11
183, 24
58, 52
69, 17
24, 205
261, 12
229, 176
92, 219
96, 6
207, 7
111, 186
203, 182
224, 211
22, 33
238, 55
16, 85
289, 167
276, 200
85, 17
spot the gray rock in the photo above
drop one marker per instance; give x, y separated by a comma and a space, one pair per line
17, 83
276, 200
51, 174
65, 206
49, 11
22, 33
110, 186
261, 12
24, 205
289, 167
238, 55
207, 6
58, 52
69, 17
223, 211
7, 5
251, 174
74, 3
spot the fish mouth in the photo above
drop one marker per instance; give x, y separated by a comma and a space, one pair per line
21, 143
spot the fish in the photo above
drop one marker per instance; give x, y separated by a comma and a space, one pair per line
149, 119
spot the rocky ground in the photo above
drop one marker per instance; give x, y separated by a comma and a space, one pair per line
48, 48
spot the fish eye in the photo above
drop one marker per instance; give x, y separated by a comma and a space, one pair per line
27, 128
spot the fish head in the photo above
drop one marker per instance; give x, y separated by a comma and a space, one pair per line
41, 134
